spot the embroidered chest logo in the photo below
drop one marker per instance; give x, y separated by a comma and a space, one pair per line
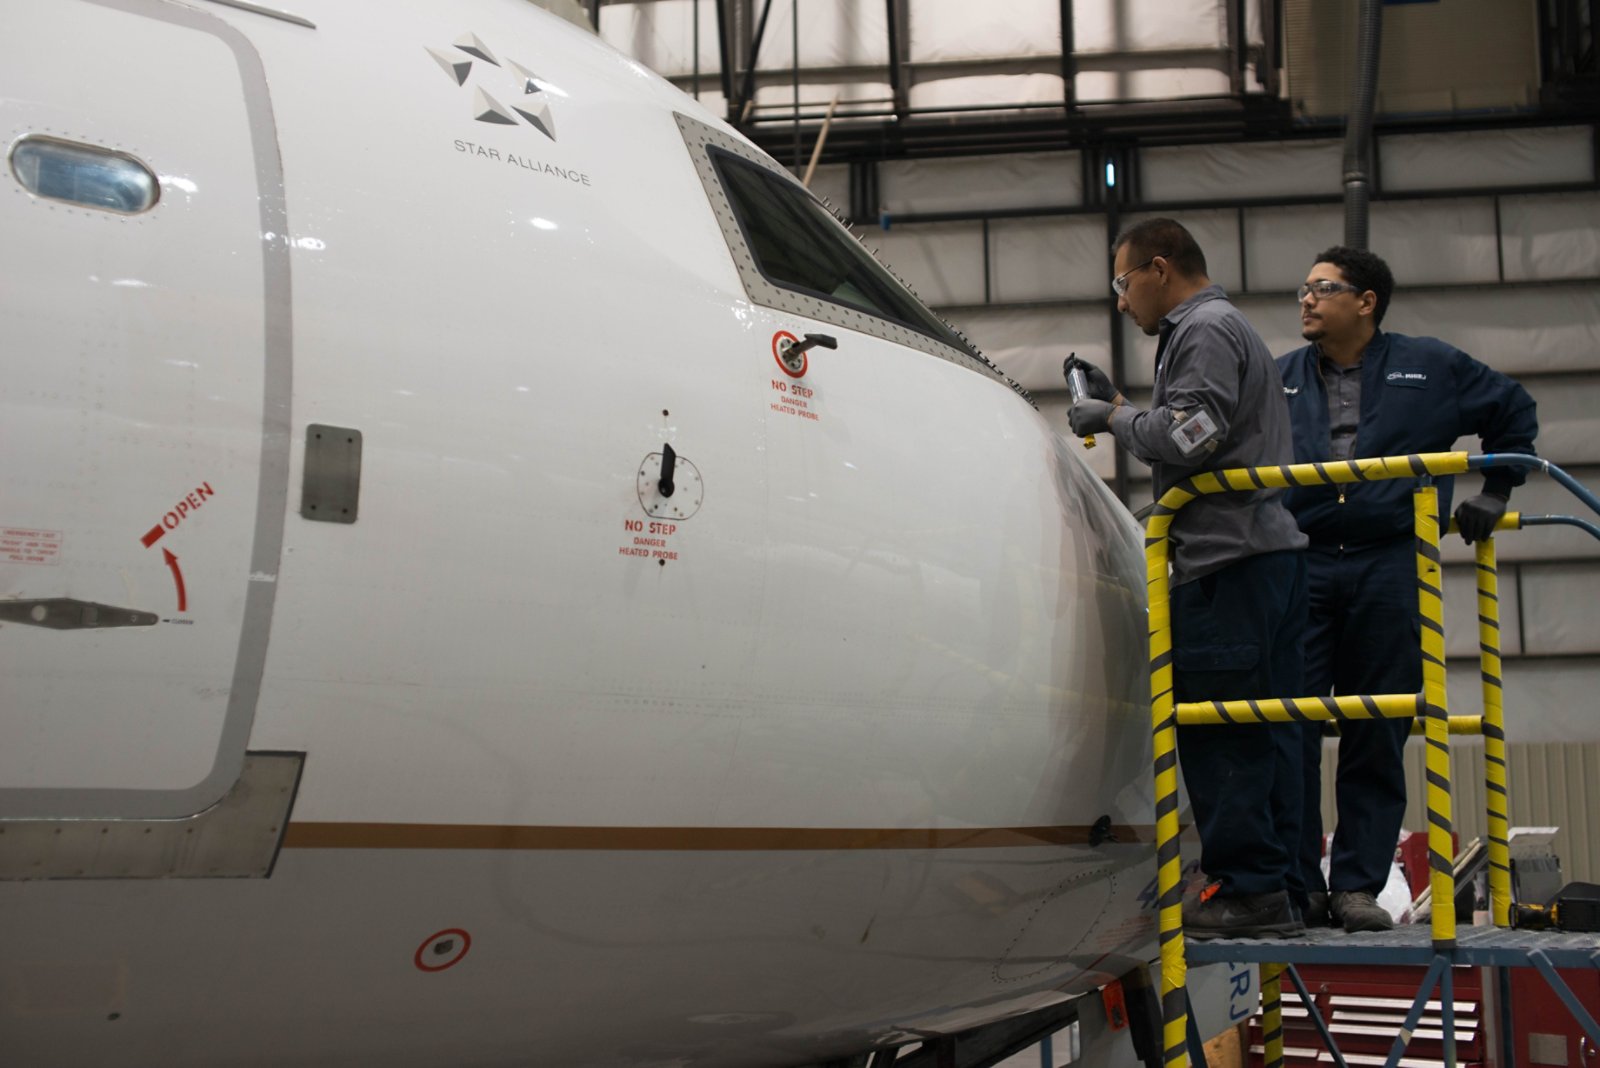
513, 82
1406, 376
1289, 391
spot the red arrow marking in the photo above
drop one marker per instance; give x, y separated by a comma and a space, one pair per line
153, 535
177, 576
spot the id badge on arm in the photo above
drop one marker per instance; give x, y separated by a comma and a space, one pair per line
1193, 432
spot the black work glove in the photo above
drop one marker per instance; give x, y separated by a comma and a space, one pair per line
1477, 516
1100, 387
1090, 416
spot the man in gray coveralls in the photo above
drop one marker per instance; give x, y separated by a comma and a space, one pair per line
1238, 572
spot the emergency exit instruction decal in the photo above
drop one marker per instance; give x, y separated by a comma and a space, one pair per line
25, 545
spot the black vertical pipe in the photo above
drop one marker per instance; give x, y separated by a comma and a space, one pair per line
896, 89
1244, 266
722, 50
747, 92
594, 14
1271, 47
1069, 62
1358, 129
794, 35
988, 290
695, 83
1113, 198
1233, 12
1499, 243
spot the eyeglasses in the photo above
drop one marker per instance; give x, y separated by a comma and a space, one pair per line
1119, 284
1325, 288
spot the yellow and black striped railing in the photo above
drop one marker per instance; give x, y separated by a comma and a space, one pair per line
1430, 705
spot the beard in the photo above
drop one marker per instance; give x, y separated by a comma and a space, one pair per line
1314, 330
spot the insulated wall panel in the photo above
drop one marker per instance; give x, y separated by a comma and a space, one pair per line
832, 183
1486, 159
1281, 243
1145, 25
833, 33
1048, 258
1094, 86
1547, 700
1276, 318
1540, 495
1217, 234
943, 263
1551, 236
1551, 784
1567, 408
1562, 607
1029, 344
1039, 180
778, 99
1520, 330
1461, 612
956, 29
1432, 242
1234, 171
660, 34
960, 92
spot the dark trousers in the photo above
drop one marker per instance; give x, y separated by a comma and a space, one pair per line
1362, 638
1237, 633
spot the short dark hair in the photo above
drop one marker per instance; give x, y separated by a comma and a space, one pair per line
1365, 270
1163, 237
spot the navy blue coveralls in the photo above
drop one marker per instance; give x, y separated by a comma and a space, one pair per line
1418, 394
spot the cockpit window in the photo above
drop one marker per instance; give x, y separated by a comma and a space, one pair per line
797, 245
794, 257
86, 175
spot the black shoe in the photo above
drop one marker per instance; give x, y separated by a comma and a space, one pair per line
1358, 910
1316, 911
1244, 916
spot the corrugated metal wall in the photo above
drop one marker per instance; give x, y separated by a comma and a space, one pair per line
1553, 784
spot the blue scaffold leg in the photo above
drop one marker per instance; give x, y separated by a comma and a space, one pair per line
1564, 992
1403, 1039
1316, 1017
1502, 995
1447, 1014
1197, 1048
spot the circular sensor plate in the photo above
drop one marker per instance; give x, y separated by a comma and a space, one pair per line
687, 489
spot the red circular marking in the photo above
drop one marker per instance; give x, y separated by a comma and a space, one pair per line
466, 944
805, 358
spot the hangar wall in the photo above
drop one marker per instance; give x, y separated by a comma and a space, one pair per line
1494, 237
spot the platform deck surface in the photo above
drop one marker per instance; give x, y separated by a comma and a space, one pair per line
1406, 944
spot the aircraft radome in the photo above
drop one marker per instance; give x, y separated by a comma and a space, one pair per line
444, 622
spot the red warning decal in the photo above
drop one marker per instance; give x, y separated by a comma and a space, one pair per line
24, 545
190, 502
795, 399
442, 950
648, 539
777, 354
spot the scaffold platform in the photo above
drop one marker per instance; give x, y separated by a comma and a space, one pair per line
1490, 947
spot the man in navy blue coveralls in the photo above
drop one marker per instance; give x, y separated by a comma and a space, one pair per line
1238, 574
1356, 391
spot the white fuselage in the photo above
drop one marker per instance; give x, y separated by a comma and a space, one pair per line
811, 770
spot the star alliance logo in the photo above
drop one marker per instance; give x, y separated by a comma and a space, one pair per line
528, 101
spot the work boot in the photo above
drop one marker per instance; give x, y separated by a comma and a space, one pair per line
1210, 915
1316, 910
1359, 911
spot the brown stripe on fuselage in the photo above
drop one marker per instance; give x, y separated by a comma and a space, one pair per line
690, 839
